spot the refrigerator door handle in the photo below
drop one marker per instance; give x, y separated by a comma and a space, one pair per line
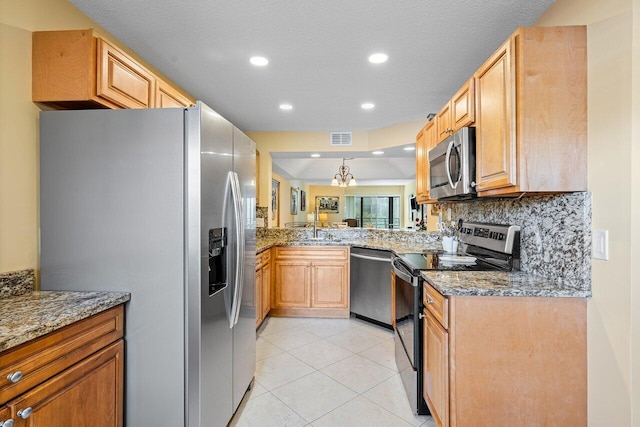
232, 279
237, 284
240, 248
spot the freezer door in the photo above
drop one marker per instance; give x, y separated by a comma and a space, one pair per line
244, 331
209, 152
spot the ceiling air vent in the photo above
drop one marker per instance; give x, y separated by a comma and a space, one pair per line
340, 139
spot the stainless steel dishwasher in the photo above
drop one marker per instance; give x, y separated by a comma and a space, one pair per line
371, 285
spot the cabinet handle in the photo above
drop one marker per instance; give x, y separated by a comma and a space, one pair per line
420, 316
25, 413
430, 301
7, 423
15, 376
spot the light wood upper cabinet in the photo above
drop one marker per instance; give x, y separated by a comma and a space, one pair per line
311, 281
495, 131
443, 119
168, 97
458, 112
123, 81
531, 114
463, 106
75, 69
425, 141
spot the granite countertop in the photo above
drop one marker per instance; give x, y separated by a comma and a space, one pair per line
34, 314
498, 283
397, 247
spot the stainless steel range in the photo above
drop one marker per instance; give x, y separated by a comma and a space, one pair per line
483, 247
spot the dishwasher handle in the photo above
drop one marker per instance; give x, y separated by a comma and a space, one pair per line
371, 258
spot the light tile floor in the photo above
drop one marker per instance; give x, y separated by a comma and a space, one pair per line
326, 372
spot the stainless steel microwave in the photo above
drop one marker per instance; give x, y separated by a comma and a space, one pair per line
452, 166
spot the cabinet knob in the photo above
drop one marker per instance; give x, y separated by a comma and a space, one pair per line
473, 184
15, 376
420, 316
430, 301
7, 423
25, 413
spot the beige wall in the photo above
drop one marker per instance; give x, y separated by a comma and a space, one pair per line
612, 105
19, 121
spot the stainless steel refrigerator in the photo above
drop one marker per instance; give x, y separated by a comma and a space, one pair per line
159, 203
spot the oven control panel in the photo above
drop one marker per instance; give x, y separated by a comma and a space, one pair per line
496, 237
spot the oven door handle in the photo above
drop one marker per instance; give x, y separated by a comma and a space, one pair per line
401, 272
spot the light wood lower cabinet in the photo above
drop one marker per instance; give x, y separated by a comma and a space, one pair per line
311, 281
87, 394
504, 361
73, 376
263, 286
5, 415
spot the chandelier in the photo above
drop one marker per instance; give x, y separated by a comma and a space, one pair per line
343, 178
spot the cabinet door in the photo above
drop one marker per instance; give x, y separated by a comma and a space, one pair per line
168, 97
258, 296
87, 394
443, 119
421, 167
5, 414
292, 284
123, 81
266, 290
495, 125
463, 106
330, 284
436, 369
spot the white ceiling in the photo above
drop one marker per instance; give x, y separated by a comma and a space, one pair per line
318, 54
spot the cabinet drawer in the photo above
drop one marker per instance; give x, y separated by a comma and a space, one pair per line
437, 304
313, 252
42, 358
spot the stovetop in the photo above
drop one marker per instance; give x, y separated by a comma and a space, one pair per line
442, 261
484, 247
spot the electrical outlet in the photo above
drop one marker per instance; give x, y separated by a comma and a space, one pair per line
259, 222
600, 244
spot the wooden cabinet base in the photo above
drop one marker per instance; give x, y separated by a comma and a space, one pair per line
88, 394
310, 312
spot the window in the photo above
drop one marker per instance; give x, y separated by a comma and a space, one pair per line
374, 211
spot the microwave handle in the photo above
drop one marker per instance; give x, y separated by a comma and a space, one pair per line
446, 163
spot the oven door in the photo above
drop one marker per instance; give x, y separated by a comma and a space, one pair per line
408, 334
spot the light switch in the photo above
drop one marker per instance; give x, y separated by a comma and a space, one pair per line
259, 222
601, 244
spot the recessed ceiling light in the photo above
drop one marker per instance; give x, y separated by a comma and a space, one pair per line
259, 61
377, 153
315, 155
367, 106
286, 107
378, 58
411, 148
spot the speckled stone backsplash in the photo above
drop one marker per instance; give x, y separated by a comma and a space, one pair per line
16, 283
395, 236
262, 212
555, 237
